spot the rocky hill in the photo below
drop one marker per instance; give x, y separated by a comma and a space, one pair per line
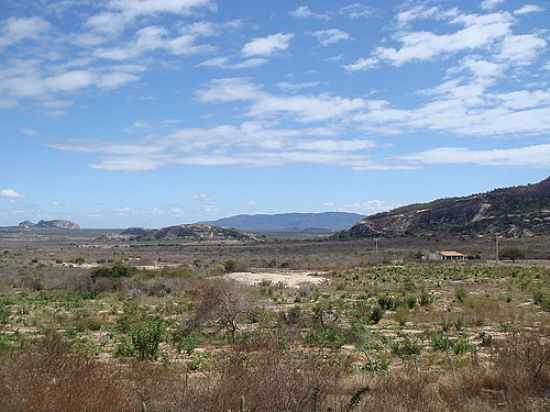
291, 222
191, 232
49, 224
514, 212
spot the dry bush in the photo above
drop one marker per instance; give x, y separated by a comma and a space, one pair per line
47, 378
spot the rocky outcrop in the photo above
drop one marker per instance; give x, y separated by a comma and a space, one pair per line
49, 224
191, 232
516, 211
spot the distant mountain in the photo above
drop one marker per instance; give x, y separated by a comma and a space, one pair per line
514, 212
49, 224
291, 222
191, 232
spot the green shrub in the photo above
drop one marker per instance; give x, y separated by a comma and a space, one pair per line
406, 347
4, 313
388, 302
460, 294
410, 300
462, 346
441, 341
114, 272
186, 343
425, 298
146, 337
376, 314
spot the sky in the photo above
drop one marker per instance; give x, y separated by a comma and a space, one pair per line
120, 113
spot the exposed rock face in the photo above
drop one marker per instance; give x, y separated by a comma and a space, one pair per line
192, 232
516, 211
49, 224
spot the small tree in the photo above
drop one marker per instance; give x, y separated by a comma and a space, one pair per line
146, 337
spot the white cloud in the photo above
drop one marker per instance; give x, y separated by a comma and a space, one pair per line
225, 63
294, 87
304, 12
29, 132
14, 30
362, 64
330, 36
478, 32
122, 12
528, 156
250, 144
528, 8
423, 12
356, 11
521, 49
262, 104
266, 46
490, 4
151, 38
366, 208
10, 194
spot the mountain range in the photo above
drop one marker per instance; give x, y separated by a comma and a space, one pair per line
327, 222
512, 212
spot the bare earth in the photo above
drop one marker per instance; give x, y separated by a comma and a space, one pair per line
289, 279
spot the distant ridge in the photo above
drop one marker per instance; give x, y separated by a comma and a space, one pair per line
192, 232
326, 222
49, 224
513, 212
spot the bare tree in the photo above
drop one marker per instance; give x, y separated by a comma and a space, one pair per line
224, 303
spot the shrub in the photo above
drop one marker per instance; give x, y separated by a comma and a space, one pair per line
425, 298
4, 313
234, 266
376, 314
114, 272
406, 347
146, 337
441, 341
460, 294
388, 302
410, 300
512, 254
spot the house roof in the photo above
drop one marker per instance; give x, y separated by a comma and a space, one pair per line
450, 253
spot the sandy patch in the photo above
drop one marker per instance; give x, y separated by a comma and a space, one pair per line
289, 279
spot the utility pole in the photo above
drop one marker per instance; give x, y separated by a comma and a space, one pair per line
496, 248
376, 246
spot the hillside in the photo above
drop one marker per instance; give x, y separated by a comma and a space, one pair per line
291, 222
191, 232
513, 212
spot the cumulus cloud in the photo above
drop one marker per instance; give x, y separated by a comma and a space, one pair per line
330, 36
528, 8
478, 32
250, 144
227, 63
10, 194
356, 11
261, 103
531, 156
266, 46
120, 13
304, 12
15, 30
490, 4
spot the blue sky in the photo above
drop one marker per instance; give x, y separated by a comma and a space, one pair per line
119, 113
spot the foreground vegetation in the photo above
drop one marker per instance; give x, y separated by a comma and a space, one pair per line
413, 337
